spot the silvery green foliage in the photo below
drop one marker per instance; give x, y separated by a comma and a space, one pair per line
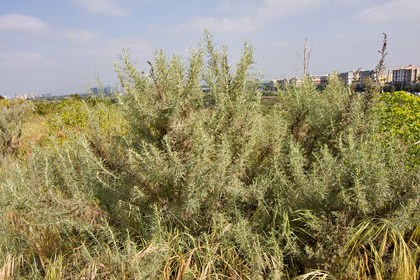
188, 148
200, 172
10, 129
336, 167
299, 176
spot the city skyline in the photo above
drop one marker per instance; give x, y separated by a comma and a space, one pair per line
65, 46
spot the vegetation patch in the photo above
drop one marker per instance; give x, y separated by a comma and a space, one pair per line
174, 182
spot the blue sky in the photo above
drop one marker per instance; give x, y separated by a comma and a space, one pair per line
62, 47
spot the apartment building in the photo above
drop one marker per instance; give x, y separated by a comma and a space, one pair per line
363, 77
366, 76
320, 80
406, 75
348, 77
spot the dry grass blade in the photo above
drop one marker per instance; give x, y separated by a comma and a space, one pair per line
143, 253
379, 249
316, 275
6, 272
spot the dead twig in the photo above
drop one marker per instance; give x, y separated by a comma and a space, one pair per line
159, 90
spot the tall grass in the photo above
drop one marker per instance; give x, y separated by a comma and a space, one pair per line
177, 183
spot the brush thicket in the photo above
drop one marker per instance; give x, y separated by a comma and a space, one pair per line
177, 182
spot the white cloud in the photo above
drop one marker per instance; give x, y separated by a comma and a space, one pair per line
78, 36
401, 10
283, 8
22, 23
222, 25
106, 7
256, 18
26, 60
280, 44
111, 49
31, 25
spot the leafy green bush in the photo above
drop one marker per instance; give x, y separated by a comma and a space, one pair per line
74, 116
44, 107
72, 113
400, 116
4, 103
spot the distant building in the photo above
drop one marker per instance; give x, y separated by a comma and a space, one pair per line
272, 85
26, 96
104, 90
94, 90
363, 77
348, 77
108, 90
282, 83
406, 75
296, 81
385, 77
320, 80
317, 80
366, 76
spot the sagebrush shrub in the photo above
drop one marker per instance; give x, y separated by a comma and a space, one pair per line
10, 128
313, 163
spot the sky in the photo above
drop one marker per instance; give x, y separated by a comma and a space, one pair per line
66, 46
